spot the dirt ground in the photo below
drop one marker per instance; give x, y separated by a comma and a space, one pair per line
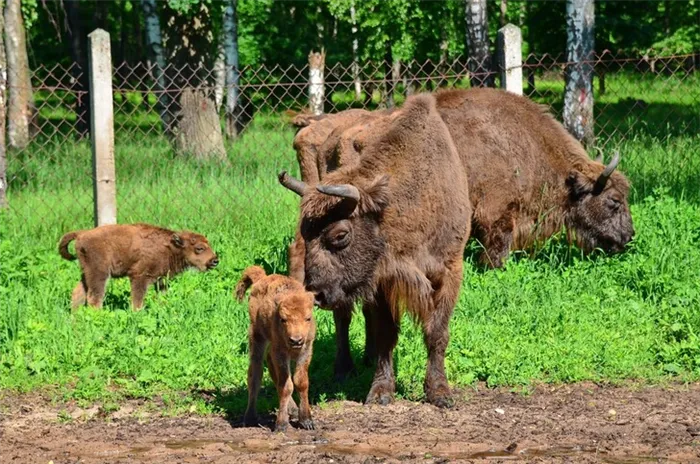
581, 423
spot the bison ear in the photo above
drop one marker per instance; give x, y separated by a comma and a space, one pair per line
578, 185
376, 195
177, 241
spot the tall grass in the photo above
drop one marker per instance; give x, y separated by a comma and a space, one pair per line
552, 315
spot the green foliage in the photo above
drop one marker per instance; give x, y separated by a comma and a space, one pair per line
552, 315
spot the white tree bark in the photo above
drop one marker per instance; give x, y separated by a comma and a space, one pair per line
478, 43
355, 48
20, 106
316, 82
219, 76
3, 112
578, 93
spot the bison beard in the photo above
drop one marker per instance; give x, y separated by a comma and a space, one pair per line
390, 229
528, 178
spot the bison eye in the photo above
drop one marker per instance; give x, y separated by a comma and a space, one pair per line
614, 203
308, 319
198, 250
341, 239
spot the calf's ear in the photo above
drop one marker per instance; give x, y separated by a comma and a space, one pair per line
177, 241
578, 185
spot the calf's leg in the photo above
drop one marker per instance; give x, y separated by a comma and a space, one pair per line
79, 296
285, 388
386, 336
96, 282
301, 383
292, 408
255, 370
139, 287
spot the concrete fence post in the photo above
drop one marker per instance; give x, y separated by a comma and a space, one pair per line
510, 58
317, 62
102, 128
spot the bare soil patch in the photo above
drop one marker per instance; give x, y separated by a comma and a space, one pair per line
581, 423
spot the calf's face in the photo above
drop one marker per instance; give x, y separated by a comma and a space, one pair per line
196, 250
295, 319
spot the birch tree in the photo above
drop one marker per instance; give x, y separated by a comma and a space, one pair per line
578, 92
154, 44
233, 75
20, 105
478, 43
3, 112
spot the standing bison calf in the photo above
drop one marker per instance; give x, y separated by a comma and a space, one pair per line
281, 324
142, 252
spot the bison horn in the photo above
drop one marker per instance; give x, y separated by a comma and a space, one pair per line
599, 158
291, 183
607, 172
343, 190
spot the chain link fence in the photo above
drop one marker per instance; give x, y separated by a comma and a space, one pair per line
191, 149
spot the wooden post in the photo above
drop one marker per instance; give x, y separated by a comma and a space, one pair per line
510, 58
102, 128
316, 82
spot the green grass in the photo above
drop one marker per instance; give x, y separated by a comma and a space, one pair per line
552, 315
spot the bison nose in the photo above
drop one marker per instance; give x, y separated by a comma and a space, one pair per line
296, 342
213, 263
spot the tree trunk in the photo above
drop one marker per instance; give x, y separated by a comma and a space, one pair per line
79, 70
154, 43
388, 93
578, 93
504, 12
219, 76
355, 48
199, 130
234, 124
20, 105
316, 82
3, 112
478, 43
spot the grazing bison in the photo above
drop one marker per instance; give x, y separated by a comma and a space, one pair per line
528, 177
142, 252
281, 324
390, 229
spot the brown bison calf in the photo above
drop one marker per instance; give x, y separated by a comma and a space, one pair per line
281, 319
142, 252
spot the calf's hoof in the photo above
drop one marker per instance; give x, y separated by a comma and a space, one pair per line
307, 424
381, 394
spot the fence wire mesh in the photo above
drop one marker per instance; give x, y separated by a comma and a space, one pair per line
188, 152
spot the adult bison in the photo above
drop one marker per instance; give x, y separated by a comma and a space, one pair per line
390, 229
528, 179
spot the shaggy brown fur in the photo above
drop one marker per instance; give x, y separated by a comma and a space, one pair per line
396, 239
281, 323
144, 253
527, 179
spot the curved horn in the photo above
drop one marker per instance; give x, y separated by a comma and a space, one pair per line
341, 190
291, 183
599, 158
607, 172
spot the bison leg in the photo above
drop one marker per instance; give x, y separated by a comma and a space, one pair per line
255, 369
292, 408
370, 355
139, 286
296, 257
96, 283
386, 336
285, 388
497, 242
436, 334
343, 359
79, 294
301, 383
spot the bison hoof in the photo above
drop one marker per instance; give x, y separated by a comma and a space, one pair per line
281, 427
442, 398
380, 394
250, 420
307, 424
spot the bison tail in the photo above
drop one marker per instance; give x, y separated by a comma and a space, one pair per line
63, 245
250, 276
